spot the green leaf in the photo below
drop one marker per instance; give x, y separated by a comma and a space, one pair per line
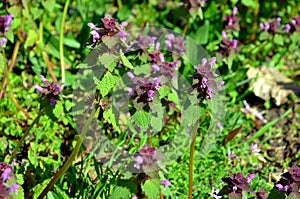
2, 60
211, 11
109, 116
142, 119
120, 193
110, 41
193, 113
151, 188
107, 83
9, 35
201, 34
278, 39
249, 3
125, 61
124, 13
58, 111
31, 39
157, 122
49, 5
109, 61
71, 43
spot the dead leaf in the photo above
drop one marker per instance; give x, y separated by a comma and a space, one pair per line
270, 83
231, 135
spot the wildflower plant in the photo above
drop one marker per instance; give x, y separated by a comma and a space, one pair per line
138, 77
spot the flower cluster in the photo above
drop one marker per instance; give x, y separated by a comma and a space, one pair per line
109, 27
175, 44
232, 21
270, 26
4, 25
143, 89
147, 157
204, 79
290, 182
274, 25
158, 63
236, 183
227, 45
50, 90
5, 175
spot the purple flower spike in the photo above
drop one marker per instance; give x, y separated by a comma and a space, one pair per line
5, 23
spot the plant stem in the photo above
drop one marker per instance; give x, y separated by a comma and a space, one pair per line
24, 136
12, 63
68, 163
191, 161
61, 47
120, 4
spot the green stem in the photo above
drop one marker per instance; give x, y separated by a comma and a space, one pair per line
24, 136
68, 163
191, 161
61, 37
120, 4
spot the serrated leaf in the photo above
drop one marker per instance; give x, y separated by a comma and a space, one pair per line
157, 122
192, 113
110, 41
125, 61
109, 61
173, 97
120, 193
31, 39
142, 119
58, 110
109, 116
68, 105
107, 83
49, 5
278, 39
151, 188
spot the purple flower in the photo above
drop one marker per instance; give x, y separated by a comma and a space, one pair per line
138, 161
287, 28
134, 197
109, 23
231, 154
232, 21
237, 182
227, 45
250, 177
6, 173
49, 90
247, 107
13, 188
165, 183
122, 34
254, 148
282, 188
3, 42
271, 26
204, 79
175, 44
143, 89
5, 22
